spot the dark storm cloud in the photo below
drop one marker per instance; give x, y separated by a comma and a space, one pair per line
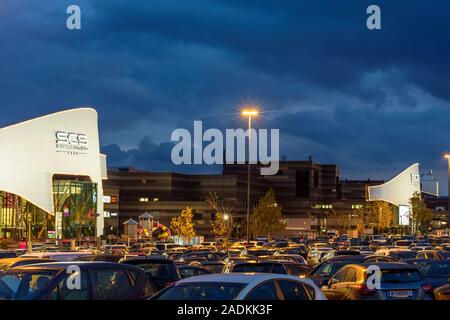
368, 100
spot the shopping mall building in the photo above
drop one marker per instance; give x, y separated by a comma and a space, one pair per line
51, 173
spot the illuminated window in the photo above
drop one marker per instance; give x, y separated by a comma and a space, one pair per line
357, 206
322, 206
143, 199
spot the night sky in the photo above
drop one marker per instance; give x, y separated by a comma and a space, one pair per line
374, 102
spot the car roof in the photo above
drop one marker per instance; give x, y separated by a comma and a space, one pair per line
155, 259
65, 264
387, 265
205, 263
354, 257
244, 278
17, 259
433, 261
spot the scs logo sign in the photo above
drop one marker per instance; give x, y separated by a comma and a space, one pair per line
71, 143
74, 139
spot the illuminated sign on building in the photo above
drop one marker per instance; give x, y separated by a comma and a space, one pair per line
71, 143
403, 215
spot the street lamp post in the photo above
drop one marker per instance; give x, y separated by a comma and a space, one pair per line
447, 156
226, 219
249, 113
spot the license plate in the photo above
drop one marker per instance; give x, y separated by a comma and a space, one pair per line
400, 294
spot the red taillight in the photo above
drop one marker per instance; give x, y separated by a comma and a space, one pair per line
427, 288
365, 291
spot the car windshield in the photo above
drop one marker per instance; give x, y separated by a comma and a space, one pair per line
403, 255
203, 291
440, 269
403, 243
17, 285
259, 252
213, 268
400, 275
329, 268
158, 270
253, 267
5, 255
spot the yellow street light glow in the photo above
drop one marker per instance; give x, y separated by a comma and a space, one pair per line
247, 112
447, 156
226, 217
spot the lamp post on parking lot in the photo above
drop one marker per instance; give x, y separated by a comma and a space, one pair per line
447, 156
249, 113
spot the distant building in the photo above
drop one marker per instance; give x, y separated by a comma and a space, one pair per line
306, 190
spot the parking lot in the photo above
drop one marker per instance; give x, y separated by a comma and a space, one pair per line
370, 268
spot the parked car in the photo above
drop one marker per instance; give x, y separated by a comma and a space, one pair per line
201, 256
161, 271
429, 254
436, 272
98, 281
256, 251
445, 254
101, 257
299, 250
419, 246
291, 257
58, 255
191, 271
404, 244
397, 253
442, 293
279, 267
399, 281
324, 271
211, 266
239, 286
364, 250
333, 253
164, 246
317, 252
6, 264
115, 249
7, 254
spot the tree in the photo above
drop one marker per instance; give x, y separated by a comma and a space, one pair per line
420, 214
380, 214
266, 218
222, 225
183, 225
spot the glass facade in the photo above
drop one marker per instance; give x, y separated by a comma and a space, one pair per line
75, 205
15, 212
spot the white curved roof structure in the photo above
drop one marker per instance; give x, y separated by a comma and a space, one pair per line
399, 189
33, 151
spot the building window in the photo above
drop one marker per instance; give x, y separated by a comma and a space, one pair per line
143, 199
357, 206
322, 206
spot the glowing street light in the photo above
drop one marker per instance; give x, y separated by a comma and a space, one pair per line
226, 217
249, 112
